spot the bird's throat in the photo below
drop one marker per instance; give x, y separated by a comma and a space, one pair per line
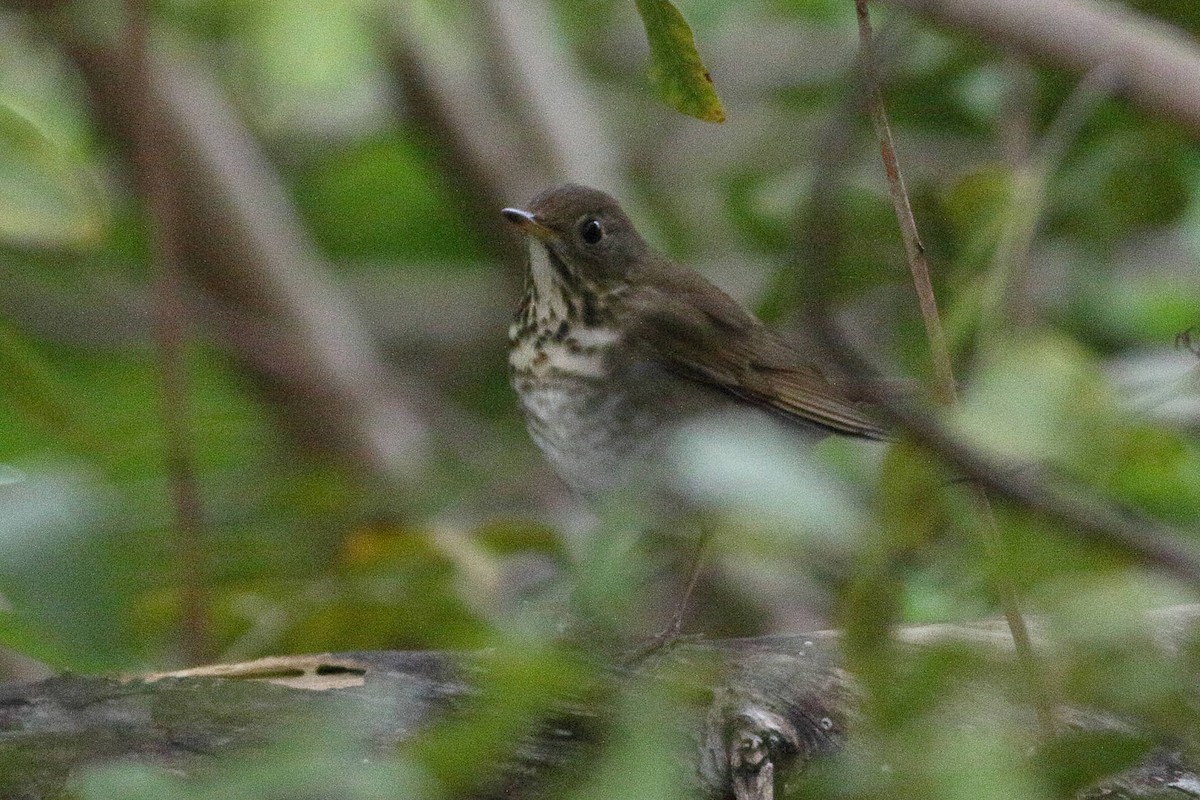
561, 327
550, 283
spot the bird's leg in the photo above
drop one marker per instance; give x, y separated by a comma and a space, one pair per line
671, 633
675, 627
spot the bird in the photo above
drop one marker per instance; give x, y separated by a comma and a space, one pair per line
614, 346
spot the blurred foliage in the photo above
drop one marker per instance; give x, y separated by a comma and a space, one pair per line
304, 553
381, 200
48, 200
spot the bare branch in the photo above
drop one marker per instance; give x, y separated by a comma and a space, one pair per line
541, 86
274, 261
470, 164
511, 125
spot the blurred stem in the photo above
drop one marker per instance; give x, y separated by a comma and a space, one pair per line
1000, 309
159, 191
1016, 112
34, 390
476, 182
1003, 587
873, 606
1028, 662
1031, 177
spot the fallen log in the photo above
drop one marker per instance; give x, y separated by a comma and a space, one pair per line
772, 706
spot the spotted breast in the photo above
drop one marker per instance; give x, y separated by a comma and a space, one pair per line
571, 369
615, 345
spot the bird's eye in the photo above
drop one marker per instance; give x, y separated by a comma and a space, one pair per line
591, 231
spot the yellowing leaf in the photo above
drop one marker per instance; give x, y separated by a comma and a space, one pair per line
676, 70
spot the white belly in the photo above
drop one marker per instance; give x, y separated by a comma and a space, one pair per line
590, 434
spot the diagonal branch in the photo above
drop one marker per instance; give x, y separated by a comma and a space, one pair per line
1075, 509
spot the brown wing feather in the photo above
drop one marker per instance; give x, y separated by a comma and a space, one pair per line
810, 396
694, 329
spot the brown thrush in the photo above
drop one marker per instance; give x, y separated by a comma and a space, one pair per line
615, 345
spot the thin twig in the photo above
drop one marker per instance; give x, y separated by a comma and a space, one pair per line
1076, 510
915, 250
1006, 592
1032, 671
158, 188
1073, 508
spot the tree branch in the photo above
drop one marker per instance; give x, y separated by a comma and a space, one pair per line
1075, 509
789, 688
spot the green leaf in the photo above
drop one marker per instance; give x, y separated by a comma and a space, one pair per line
910, 497
642, 758
47, 198
977, 205
676, 70
1080, 759
522, 681
1036, 398
380, 199
66, 579
737, 465
35, 391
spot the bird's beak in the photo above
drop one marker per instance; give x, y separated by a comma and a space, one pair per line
527, 223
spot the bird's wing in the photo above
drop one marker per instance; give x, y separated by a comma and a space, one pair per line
693, 329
